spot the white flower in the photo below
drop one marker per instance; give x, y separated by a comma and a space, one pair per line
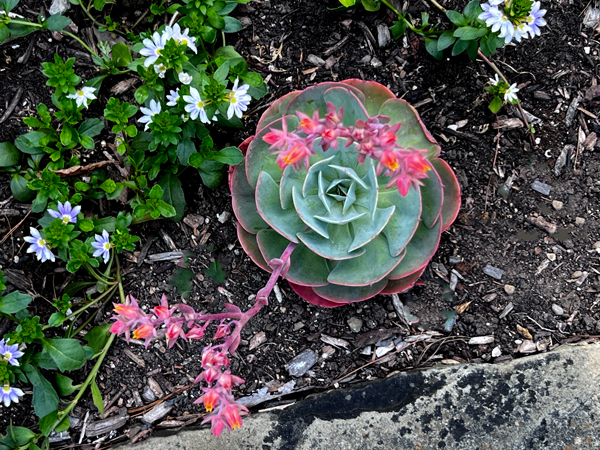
10, 394
497, 20
521, 31
495, 81
185, 78
82, 95
173, 97
195, 106
153, 48
160, 69
181, 38
535, 19
238, 100
148, 113
511, 93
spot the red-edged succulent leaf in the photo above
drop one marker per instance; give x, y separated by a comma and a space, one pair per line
375, 94
412, 133
451, 204
419, 250
402, 284
250, 246
244, 202
276, 110
432, 197
308, 294
349, 294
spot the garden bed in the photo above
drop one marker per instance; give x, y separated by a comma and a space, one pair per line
548, 292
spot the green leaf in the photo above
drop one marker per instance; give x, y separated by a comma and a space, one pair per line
14, 302
108, 186
46, 423
4, 33
73, 288
173, 194
91, 127
196, 159
68, 354
470, 33
456, 18
64, 385
445, 40
473, 10
56, 22
86, 142
496, 104
142, 93
9, 155
20, 190
45, 398
66, 135
459, 47
97, 337
211, 173
97, 397
185, 148
472, 50
8, 5
398, 28
121, 55
56, 319
222, 72
371, 5
232, 25
86, 225
99, 4
231, 156
20, 435
431, 45
215, 272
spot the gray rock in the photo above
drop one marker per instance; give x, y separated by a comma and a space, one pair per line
59, 7
542, 402
540, 187
493, 272
302, 363
314, 59
355, 324
556, 309
383, 35
148, 395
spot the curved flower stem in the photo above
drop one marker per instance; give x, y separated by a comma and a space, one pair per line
71, 35
495, 69
523, 116
97, 276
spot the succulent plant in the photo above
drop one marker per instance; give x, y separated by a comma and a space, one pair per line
349, 173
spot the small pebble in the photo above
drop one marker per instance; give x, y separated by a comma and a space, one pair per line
509, 289
576, 274
223, 216
355, 324
314, 59
298, 366
551, 256
540, 187
481, 340
298, 326
455, 259
367, 351
557, 205
579, 221
493, 272
376, 63
527, 346
496, 352
557, 310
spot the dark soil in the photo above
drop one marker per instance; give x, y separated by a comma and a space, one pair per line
494, 227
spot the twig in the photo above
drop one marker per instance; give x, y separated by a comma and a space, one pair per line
12, 105
14, 228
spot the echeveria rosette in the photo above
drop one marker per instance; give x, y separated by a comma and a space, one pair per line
357, 235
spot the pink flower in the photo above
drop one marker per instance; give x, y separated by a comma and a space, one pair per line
277, 138
222, 330
163, 312
118, 327
297, 153
210, 398
227, 381
232, 415
309, 125
195, 333
217, 425
333, 118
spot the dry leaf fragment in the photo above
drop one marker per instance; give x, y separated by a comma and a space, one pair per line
82, 170
462, 308
524, 332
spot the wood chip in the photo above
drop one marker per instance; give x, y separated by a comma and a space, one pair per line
135, 358
106, 425
336, 342
158, 412
524, 332
257, 339
337, 46
542, 223
507, 124
481, 340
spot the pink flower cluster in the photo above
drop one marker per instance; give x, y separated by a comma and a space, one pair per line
170, 323
374, 138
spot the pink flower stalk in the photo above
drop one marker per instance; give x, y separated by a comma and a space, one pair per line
374, 138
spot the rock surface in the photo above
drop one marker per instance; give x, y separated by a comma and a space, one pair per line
543, 402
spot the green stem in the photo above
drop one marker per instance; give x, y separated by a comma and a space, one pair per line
96, 275
28, 24
80, 42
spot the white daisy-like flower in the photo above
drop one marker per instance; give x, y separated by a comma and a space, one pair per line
81, 96
495, 81
153, 48
238, 100
160, 69
173, 96
185, 38
185, 78
511, 93
522, 30
195, 106
149, 113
